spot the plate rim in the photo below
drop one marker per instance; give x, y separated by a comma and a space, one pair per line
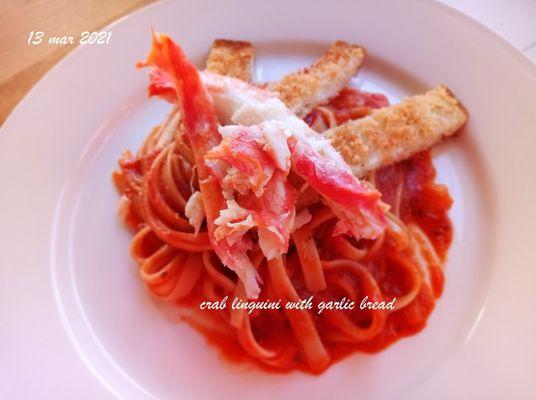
12, 118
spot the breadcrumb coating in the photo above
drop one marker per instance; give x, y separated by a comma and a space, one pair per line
231, 58
301, 91
395, 133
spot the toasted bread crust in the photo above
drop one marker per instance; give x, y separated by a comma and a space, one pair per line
303, 90
397, 132
231, 58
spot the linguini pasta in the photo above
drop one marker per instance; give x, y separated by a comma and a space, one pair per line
172, 202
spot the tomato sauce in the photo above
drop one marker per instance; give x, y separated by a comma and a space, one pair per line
425, 203
421, 201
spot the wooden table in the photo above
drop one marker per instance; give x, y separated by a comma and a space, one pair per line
22, 64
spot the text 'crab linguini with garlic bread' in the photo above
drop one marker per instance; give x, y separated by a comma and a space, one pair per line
302, 188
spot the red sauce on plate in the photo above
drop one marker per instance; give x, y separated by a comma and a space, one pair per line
421, 202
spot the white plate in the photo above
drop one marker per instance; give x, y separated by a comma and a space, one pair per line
75, 320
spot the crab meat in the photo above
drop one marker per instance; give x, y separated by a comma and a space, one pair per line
180, 81
194, 210
243, 166
358, 206
249, 170
246, 166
